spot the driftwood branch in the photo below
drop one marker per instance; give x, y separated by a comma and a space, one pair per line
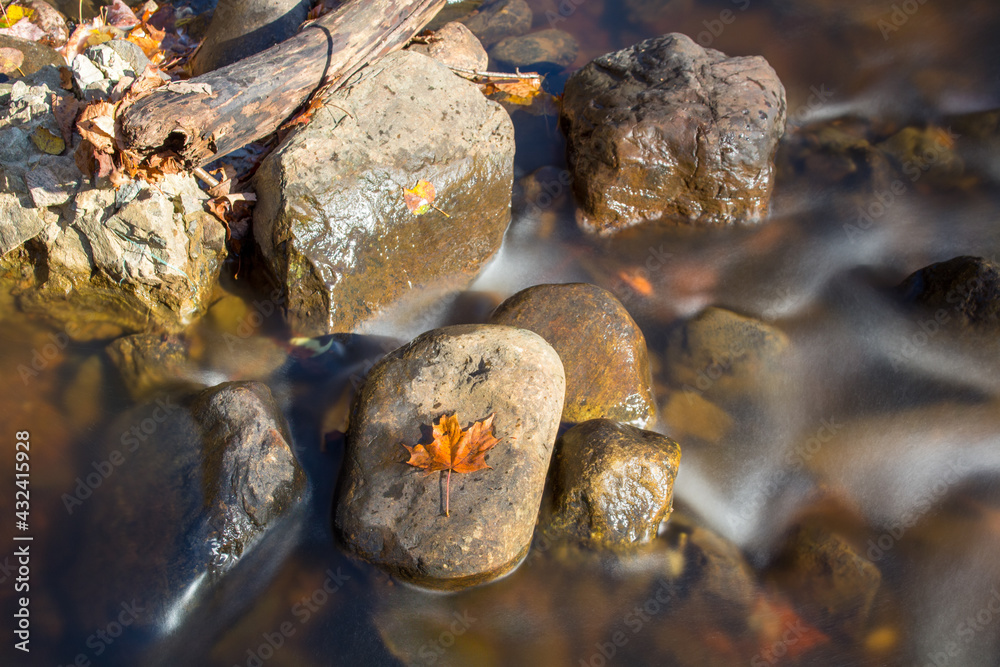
223, 110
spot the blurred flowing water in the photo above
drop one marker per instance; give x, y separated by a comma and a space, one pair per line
896, 420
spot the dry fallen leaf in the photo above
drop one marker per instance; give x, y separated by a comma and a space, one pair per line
97, 125
420, 198
47, 142
10, 60
13, 14
454, 449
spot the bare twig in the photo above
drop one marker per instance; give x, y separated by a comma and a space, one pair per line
472, 74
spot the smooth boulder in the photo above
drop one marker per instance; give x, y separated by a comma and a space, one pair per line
613, 484
331, 220
666, 129
392, 514
963, 290
592, 332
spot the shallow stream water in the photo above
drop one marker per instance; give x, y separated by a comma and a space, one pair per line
885, 425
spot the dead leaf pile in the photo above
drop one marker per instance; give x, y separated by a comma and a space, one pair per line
454, 450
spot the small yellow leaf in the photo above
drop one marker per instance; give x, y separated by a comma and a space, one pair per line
10, 60
47, 142
14, 14
420, 198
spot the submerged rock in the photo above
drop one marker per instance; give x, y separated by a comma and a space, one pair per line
667, 129
392, 514
454, 45
614, 483
544, 50
188, 491
496, 19
964, 290
725, 356
833, 583
149, 362
592, 332
336, 230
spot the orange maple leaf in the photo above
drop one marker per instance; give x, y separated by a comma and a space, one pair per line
454, 449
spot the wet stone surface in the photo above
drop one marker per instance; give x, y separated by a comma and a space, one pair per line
963, 290
392, 514
496, 19
543, 50
613, 484
592, 332
667, 129
331, 221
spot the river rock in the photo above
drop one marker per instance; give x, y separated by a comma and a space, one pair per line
49, 21
95, 260
36, 56
241, 28
964, 290
149, 362
192, 489
832, 582
667, 128
331, 221
592, 332
613, 483
543, 50
725, 356
496, 19
392, 514
454, 45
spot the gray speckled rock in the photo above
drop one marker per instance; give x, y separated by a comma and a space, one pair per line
666, 128
392, 514
331, 221
614, 483
454, 45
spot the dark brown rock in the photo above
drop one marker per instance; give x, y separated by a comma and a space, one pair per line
149, 362
964, 290
725, 356
392, 514
242, 28
614, 483
833, 583
454, 45
592, 332
336, 231
496, 19
545, 49
667, 129
36, 56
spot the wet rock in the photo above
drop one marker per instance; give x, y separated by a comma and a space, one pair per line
149, 362
454, 45
542, 50
687, 413
833, 583
241, 28
50, 22
666, 128
963, 290
725, 356
614, 483
338, 233
392, 514
190, 490
36, 56
496, 19
98, 261
592, 332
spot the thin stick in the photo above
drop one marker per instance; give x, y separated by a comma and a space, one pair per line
208, 179
494, 75
447, 494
